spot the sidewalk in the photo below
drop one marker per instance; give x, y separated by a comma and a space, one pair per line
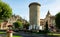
27, 34
2, 35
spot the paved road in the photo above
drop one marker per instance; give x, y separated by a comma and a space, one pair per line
2, 35
26, 34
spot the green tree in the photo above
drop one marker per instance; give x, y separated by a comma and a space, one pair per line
5, 11
57, 20
18, 24
0, 0
26, 25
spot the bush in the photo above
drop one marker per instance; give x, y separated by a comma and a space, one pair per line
57, 20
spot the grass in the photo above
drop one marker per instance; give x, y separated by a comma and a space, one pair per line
2, 32
13, 35
17, 36
55, 34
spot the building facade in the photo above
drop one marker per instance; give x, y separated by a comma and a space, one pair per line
50, 21
10, 21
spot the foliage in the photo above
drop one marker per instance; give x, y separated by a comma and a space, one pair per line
18, 24
1, 21
57, 20
5, 10
0, 0
26, 25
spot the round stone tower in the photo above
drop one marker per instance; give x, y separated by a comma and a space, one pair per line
34, 15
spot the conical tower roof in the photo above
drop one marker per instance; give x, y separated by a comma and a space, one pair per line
48, 13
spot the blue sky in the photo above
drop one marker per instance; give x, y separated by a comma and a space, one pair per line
20, 7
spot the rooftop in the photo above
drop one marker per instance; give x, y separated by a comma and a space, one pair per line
34, 3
